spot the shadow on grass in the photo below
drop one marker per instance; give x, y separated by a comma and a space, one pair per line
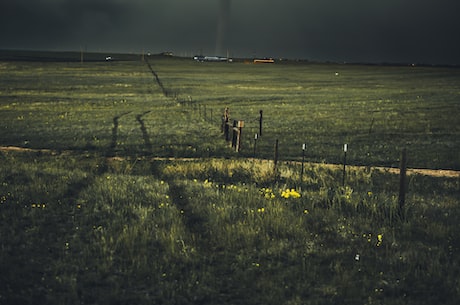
145, 135
113, 143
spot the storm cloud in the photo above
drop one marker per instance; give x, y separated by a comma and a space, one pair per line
422, 31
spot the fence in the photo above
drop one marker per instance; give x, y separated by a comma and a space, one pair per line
237, 126
233, 130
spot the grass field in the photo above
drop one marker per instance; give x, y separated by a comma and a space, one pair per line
376, 110
122, 195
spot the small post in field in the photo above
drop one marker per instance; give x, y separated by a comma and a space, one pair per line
304, 147
239, 133
225, 127
256, 136
260, 122
345, 149
402, 179
234, 131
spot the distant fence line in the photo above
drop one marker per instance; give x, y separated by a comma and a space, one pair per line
232, 131
235, 127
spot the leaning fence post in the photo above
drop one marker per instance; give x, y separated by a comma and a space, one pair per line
402, 179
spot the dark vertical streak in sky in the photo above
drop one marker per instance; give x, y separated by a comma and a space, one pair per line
223, 27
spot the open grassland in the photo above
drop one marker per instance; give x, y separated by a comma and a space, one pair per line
127, 196
220, 232
376, 110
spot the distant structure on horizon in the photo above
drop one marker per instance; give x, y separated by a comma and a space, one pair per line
264, 61
202, 58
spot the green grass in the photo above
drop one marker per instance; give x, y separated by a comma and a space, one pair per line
107, 215
376, 110
207, 232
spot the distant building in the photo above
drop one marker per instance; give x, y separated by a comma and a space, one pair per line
264, 61
202, 58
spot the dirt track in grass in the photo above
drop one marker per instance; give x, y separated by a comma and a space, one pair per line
447, 173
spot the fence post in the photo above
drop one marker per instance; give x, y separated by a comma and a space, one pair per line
239, 133
304, 147
225, 124
260, 122
345, 148
256, 136
402, 179
234, 131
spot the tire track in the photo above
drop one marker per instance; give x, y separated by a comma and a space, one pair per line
194, 222
446, 173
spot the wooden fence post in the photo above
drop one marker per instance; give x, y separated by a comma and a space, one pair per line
402, 179
234, 130
239, 133
260, 122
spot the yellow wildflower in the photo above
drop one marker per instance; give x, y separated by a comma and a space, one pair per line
379, 240
267, 193
290, 193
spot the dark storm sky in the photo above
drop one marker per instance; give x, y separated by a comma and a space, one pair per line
410, 31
